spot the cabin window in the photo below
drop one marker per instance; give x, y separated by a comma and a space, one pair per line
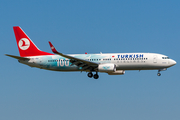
165, 57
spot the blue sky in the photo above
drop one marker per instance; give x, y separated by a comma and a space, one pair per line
90, 26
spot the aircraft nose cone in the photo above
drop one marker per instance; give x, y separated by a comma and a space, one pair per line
173, 62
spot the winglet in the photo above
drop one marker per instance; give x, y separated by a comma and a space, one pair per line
53, 48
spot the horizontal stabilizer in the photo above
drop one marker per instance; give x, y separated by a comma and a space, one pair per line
17, 57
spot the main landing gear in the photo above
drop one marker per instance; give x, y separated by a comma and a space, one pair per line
90, 75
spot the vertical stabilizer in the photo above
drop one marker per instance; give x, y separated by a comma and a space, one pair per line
25, 45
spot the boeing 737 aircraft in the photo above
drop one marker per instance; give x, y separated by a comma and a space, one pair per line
110, 63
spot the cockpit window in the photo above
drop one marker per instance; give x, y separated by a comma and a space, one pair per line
165, 57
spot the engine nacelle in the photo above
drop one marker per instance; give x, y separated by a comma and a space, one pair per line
118, 72
109, 67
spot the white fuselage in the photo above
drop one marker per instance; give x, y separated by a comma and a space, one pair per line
122, 61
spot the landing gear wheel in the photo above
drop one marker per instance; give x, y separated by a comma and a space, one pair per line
96, 76
159, 74
90, 75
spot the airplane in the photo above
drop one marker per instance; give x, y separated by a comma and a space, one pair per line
110, 63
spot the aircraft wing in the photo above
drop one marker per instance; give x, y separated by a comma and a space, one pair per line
86, 65
17, 57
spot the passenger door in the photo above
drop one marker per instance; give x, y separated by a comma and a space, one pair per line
155, 59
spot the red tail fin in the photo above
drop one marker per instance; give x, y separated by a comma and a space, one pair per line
25, 45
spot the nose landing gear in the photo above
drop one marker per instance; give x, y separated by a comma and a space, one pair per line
159, 74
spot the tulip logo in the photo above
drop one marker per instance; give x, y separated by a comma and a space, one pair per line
24, 44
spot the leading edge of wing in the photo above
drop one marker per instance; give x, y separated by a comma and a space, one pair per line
70, 57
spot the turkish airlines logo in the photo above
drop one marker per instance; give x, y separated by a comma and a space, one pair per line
24, 44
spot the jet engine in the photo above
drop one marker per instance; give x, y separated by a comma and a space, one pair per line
109, 67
